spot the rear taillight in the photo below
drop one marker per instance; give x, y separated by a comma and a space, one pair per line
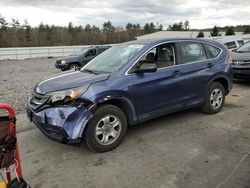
229, 57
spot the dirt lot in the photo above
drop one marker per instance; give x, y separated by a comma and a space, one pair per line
187, 149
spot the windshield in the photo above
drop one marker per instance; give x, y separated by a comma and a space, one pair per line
82, 51
113, 59
244, 48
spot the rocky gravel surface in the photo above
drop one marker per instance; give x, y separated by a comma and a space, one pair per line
17, 79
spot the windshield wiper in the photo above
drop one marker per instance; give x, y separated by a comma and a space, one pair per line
91, 71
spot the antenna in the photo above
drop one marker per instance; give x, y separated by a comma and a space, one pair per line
191, 34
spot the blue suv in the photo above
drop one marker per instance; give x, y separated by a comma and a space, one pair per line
128, 84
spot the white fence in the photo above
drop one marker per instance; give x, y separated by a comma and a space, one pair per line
34, 52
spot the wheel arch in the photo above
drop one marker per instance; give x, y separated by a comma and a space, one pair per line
223, 80
124, 104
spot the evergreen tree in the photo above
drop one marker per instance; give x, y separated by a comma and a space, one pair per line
146, 28
151, 27
108, 30
215, 32
70, 27
230, 31
108, 27
129, 26
3, 30
3, 23
246, 29
176, 27
88, 28
200, 34
160, 27
27, 29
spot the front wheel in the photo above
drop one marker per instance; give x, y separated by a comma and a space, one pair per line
214, 99
107, 128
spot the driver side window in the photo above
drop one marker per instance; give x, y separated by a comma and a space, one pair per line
162, 56
149, 57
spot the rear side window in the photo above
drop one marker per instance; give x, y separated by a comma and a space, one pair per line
190, 52
231, 45
212, 51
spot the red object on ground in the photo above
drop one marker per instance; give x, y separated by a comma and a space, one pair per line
11, 132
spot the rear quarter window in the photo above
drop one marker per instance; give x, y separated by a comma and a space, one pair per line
212, 51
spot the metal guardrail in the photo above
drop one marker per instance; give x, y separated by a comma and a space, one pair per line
35, 52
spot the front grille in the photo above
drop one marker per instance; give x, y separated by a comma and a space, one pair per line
241, 63
58, 62
246, 63
37, 100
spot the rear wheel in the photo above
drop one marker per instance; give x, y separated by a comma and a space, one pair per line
215, 98
106, 129
74, 66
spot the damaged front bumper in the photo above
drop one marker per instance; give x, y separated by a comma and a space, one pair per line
62, 124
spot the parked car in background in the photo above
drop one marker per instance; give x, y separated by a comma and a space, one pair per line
231, 43
80, 59
241, 62
128, 84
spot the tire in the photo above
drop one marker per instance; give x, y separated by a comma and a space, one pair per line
214, 99
106, 129
63, 69
74, 66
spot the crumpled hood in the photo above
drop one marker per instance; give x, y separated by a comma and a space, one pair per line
241, 56
68, 81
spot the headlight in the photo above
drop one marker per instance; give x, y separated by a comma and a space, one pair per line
63, 62
67, 95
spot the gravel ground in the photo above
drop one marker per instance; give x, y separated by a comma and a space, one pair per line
17, 79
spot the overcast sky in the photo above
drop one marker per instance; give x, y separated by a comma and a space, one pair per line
200, 13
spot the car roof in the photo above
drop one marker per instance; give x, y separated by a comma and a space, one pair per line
157, 41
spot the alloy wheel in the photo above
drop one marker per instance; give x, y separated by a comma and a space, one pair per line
216, 98
108, 130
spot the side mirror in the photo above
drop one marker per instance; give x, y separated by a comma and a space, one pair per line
147, 67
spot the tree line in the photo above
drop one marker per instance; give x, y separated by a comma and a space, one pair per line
229, 30
16, 34
215, 31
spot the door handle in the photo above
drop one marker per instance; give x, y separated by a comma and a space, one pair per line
210, 65
176, 73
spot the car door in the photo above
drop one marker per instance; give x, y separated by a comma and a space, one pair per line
162, 90
197, 68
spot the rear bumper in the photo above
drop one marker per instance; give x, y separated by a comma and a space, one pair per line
61, 124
